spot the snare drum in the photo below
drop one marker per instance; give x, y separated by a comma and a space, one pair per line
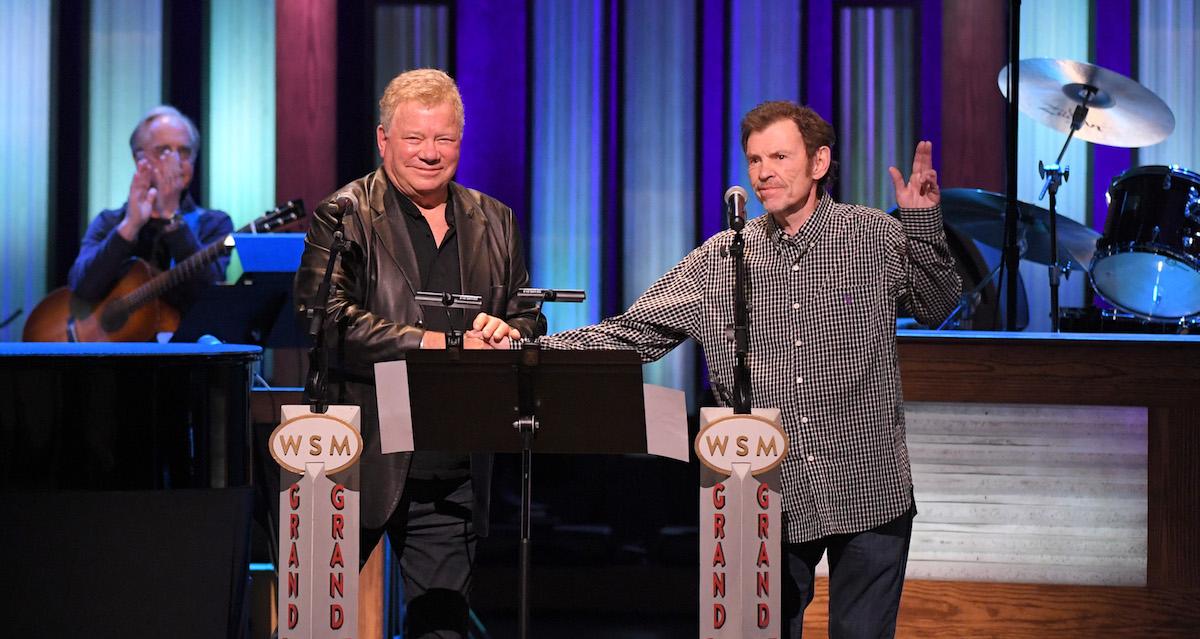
1148, 260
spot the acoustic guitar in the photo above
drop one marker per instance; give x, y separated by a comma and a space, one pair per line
132, 310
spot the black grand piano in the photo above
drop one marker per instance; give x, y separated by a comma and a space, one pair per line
125, 488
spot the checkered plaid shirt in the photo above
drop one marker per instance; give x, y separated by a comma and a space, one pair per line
822, 346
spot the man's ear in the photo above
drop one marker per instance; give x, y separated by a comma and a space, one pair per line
820, 162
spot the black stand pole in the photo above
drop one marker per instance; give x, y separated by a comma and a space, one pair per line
739, 332
1011, 259
967, 302
1054, 175
318, 359
526, 425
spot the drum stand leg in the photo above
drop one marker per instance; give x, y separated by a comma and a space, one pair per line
1054, 175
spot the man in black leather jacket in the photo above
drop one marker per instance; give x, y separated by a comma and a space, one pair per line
411, 228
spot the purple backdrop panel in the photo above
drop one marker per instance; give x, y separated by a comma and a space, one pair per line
712, 142
1114, 51
491, 64
819, 71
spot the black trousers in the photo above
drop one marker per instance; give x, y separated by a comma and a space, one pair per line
432, 536
866, 576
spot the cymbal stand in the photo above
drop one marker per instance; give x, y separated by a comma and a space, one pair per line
1054, 175
968, 300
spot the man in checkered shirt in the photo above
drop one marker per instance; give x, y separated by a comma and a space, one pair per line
824, 282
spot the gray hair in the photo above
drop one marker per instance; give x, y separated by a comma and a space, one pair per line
158, 112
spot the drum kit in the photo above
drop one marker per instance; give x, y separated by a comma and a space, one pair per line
1146, 264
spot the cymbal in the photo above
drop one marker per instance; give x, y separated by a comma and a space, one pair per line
1121, 113
980, 214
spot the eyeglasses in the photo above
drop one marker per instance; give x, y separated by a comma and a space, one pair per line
162, 151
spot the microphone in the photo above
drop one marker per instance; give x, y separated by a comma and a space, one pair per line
339, 206
551, 295
449, 300
735, 207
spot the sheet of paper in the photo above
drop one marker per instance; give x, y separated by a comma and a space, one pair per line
395, 415
666, 422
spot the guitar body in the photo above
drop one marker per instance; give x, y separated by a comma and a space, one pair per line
62, 317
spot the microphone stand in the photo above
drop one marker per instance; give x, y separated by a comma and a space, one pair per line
318, 359
447, 301
526, 425
739, 332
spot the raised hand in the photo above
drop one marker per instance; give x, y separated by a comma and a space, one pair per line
141, 203
170, 181
921, 191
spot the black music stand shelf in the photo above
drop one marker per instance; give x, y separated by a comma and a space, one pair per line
257, 310
521, 401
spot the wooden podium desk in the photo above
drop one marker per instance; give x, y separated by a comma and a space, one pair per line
1158, 372
125, 416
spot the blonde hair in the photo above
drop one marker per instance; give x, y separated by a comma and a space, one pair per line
429, 87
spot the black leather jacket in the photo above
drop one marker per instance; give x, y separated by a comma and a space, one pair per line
376, 283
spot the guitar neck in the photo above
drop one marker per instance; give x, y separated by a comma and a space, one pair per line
181, 272
200, 260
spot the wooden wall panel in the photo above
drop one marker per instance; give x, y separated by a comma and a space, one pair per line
305, 100
1016, 611
974, 47
1158, 373
1174, 492
1028, 494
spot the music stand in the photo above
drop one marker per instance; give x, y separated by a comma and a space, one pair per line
554, 401
258, 309
234, 314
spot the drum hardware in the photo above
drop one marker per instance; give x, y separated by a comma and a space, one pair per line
1054, 175
1096, 320
980, 215
1094, 103
967, 302
1147, 263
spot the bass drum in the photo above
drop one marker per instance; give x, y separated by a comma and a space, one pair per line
1148, 261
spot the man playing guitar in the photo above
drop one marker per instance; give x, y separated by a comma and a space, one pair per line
159, 223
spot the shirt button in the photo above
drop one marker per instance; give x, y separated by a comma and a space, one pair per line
799, 380
799, 343
795, 305
795, 267
811, 458
803, 420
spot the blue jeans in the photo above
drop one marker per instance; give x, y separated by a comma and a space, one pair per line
866, 576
